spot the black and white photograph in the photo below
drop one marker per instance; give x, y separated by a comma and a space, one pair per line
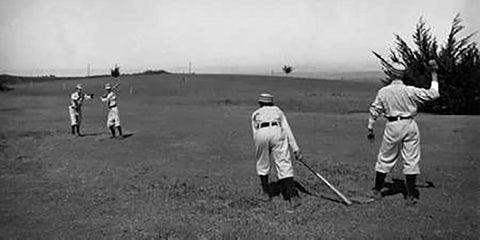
229, 119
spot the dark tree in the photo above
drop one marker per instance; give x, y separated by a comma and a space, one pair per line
115, 72
287, 69
459, 67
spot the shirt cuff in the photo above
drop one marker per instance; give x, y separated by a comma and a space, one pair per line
371, 122
434, 85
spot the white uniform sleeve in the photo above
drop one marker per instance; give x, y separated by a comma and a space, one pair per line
376, 109
74, 97
253, 122
106, 98
288, 132
424, 95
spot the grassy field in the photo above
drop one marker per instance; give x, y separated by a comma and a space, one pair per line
188, 170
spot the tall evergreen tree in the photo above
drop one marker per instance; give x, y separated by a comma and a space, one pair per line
459, 72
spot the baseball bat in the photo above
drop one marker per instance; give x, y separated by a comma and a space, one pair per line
115, 86
345, 199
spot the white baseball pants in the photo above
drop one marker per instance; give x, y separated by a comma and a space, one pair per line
271, 143
113, 118
75, 116
400, 137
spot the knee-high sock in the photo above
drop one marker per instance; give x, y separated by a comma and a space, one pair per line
411, 179
289, 188
119, 131
379, 180
264, 181
112, 130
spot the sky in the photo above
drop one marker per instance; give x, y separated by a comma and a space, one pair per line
214, 35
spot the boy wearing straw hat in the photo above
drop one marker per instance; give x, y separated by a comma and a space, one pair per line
75, 108
273, 139
113, 118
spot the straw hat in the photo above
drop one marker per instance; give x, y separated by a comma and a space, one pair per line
265, 98
398, 69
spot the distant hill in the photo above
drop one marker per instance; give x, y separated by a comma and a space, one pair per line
360, 76
367, 76
6, 79
151, 72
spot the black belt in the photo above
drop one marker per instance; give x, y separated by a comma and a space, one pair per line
112, 106
268, 124
393, 119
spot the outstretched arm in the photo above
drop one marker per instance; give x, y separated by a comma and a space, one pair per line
105, 98
376, 108
88, 96
424, 95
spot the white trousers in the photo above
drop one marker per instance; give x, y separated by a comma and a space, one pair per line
272, 144
75, 116
113, 118
400, 138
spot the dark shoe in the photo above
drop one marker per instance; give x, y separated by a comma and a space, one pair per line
411, 201
293, 204
411, 187
377, 195
265, 198
289, 191
290, 210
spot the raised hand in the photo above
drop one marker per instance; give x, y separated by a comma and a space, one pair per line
371, 135
433, 64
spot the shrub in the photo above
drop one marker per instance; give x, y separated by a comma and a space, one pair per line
287, 69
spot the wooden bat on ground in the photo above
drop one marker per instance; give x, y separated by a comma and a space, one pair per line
345, 199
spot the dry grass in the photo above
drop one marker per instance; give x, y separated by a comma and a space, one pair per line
188, 170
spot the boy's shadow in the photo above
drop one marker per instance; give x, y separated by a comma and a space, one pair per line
91, 134
278, 188
101, 133
397, 186
127, 135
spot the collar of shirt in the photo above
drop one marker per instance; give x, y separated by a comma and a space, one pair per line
397, 81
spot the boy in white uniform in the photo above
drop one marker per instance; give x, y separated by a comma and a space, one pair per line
75, 108
273, 137
113, 118
398, 103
